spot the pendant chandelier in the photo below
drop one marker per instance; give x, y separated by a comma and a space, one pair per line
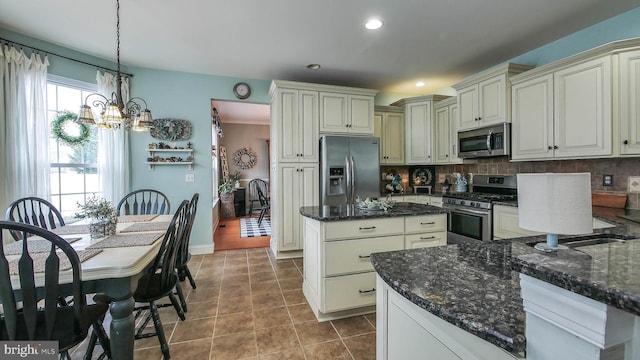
114, 112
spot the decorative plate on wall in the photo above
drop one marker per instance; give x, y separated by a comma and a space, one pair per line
422, 175
171, 129
245, 158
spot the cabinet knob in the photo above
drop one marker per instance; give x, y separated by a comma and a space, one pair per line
555, 147
549, 147
626, 142
479, 118
446, 155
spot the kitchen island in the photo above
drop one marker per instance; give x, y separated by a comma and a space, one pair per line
339, 280
465, 300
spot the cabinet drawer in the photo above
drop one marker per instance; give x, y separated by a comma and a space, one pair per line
350, 291
364, 228
348, 256
425, 223
415, 241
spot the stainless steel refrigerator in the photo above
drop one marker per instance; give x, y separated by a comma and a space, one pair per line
349, 167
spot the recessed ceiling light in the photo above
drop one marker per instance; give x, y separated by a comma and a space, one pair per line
420, 84
313, 66
373, 24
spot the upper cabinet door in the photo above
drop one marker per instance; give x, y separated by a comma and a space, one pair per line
419, 124
492, 100
361, 114
532, 119
582, 109
308, 126
333, 113
295, 125
629, 103
468, 108
442, 138
346, 114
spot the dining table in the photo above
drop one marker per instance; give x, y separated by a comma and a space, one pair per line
112, 265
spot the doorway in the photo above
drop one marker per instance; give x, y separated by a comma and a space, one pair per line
244, 132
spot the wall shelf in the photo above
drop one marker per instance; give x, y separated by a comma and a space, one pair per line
153, 153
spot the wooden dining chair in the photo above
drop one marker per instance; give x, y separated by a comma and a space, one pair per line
31, 312
144, 202
183, 253
265, 206
160, 279
34, 211
253, 187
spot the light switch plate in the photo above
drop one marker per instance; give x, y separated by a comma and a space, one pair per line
190, 178
634, 184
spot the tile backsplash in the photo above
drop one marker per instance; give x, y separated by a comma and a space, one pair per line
620, 168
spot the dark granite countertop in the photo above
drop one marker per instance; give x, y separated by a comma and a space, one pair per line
350, 212
469, 285
605, 272
476, 286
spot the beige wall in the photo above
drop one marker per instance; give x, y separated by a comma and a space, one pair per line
254, 137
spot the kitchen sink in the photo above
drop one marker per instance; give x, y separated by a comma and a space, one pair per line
573, 243
588, 242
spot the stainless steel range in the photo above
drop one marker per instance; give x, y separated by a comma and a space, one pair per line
470, 214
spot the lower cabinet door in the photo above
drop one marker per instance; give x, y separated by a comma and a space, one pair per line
349, 291
415, 241
350, 256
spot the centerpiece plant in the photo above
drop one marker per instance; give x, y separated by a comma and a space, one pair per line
102, 214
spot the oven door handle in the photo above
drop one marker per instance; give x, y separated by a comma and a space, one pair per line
468, 211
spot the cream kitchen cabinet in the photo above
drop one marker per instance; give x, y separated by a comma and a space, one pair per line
425, 231
629, 102
388, 124
347, 113
485, 98
446, 133
423, 199
506, 223
292, 186
406, 331
294, 123
419, 115
339, 279
563, 113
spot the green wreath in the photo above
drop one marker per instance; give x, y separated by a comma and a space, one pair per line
58, 127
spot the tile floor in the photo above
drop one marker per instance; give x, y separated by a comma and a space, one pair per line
248, 305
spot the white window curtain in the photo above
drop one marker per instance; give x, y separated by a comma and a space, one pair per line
24, 128
113, 147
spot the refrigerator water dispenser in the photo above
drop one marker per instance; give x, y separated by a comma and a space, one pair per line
336, 181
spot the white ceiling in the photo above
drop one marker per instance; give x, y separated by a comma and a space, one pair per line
438, 41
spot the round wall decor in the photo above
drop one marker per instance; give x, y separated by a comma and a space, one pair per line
244, 158
60, 128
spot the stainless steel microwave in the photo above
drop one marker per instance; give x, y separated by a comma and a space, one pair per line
493, 140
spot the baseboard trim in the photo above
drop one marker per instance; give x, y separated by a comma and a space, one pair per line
201, 249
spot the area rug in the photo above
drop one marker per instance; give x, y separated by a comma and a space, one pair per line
249, 227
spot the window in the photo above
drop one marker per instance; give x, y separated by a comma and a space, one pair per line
74, 169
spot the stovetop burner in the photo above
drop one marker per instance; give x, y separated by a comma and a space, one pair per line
485, 190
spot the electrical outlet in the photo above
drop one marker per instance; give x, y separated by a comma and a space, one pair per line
607, 180
634, 184
190, 178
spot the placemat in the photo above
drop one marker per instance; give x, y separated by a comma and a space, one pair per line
39, 260
127, 240
136, 218
71, 229
35, 246
146, 226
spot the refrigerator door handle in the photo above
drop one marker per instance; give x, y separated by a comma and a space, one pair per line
353, 180
349, 179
